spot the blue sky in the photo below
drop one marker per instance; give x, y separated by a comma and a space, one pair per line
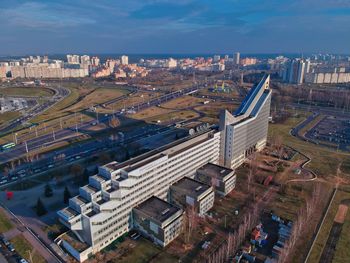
174, 26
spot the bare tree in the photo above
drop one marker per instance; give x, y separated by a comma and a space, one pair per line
190, 222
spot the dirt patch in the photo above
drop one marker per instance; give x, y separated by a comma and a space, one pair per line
341, 214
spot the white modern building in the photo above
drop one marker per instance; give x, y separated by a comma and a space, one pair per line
124, 60
103, 210
236, 58
245, 131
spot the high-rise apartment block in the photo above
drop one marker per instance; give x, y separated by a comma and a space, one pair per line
95, 61
295, 71
150, 192
216, 58
73, 59
236, 58
124, 60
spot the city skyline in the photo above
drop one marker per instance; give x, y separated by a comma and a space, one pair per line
177, 27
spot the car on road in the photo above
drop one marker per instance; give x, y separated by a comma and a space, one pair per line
50, 166
3, 181
11, 247
5, 241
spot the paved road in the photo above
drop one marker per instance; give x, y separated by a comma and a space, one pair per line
60, 94
30, 237
84, 150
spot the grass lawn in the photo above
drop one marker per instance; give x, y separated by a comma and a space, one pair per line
342, 248
28, 91
98, 96
22, 247
55, 111
8, 116
343, 243
324, 161
143, 252
5, 223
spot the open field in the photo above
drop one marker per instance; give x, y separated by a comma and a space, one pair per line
26, 91
55, 111
183, 102
232, 94
212, 110
133, 99
8, 116
150, 112
5, 223
23, 247
342, 250
159, 116
98, 96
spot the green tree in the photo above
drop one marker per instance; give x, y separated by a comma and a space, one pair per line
48, 191
40, 208
66, 195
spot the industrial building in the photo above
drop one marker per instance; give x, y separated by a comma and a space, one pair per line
191, 193
110, 205
223, 179
158, 220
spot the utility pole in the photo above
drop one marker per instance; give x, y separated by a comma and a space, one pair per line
25, 143
15, 137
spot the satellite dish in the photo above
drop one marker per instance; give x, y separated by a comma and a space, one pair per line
191, 131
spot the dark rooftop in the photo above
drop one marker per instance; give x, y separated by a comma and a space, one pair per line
157, 209
215, 170
82, 199
91, 213
101, 201
191, 186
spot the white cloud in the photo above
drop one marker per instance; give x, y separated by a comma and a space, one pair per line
38, 15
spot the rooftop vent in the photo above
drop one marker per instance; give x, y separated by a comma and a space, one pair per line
198, 188
165, 211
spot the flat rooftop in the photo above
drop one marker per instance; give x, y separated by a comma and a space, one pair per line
157, 209
90, 189
80, 200
155, 154
69, 212
191, 186
70, 238
215, 170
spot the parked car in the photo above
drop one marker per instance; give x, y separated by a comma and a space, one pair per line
11, 247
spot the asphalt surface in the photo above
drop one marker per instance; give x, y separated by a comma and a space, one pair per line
60, 94
83, 149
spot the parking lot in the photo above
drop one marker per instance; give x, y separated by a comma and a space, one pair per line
334, 131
